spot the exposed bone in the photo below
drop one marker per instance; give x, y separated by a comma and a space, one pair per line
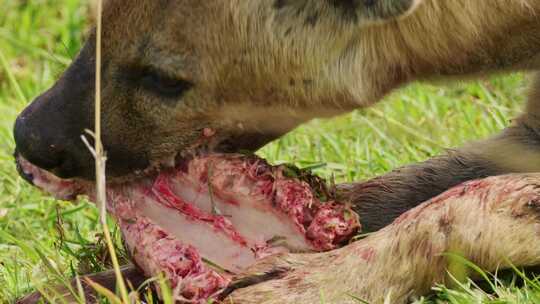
155, 251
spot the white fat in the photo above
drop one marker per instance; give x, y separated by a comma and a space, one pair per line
211, 243
253, 216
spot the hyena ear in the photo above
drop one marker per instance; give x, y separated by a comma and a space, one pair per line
376, 11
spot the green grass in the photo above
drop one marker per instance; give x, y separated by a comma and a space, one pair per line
42, 239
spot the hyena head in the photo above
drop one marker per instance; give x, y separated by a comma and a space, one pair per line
178, 74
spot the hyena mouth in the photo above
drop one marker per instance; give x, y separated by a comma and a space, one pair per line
212, 216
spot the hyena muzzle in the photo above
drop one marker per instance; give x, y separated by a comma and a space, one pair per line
182, 76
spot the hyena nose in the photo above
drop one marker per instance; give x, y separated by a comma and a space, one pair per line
32, 146
41, 142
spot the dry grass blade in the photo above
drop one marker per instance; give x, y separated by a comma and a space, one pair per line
105, 292
100, 159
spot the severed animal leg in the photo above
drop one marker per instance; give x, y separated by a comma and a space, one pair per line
492, 222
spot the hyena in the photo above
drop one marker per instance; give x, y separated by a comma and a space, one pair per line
247, 72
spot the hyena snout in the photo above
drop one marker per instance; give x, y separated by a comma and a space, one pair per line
50, 139
48, 132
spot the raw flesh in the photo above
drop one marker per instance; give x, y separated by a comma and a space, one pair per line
215, 215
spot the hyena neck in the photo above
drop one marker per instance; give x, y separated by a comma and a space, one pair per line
312, 57
440, 39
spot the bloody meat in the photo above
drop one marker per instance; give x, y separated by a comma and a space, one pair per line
215, 215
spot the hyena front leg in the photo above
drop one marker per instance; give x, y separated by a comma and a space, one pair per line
381, 200
515, 150
492, 222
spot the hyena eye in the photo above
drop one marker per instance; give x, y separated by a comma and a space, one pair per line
163, 85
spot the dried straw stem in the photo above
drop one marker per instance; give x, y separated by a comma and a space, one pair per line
100, 158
